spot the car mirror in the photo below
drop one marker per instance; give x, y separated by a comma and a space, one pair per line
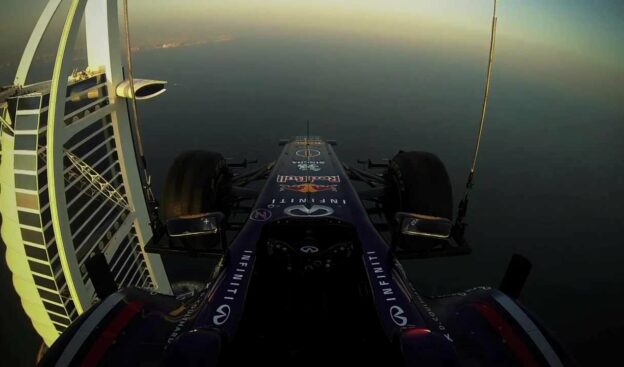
423, 225
195, 225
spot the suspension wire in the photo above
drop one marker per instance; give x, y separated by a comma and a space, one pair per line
135, 117
463, 205
307, 171
135, 113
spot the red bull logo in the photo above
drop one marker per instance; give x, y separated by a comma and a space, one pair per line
309, 188
308, 179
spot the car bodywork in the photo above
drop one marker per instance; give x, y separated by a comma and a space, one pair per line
308, 279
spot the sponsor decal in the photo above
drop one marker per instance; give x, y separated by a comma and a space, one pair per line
260, 215
320, 163
308, 153
398, 315
279, 202
309, 249
432, 315
308, 167
222, 315
188, 314
237, 277
382, 282
464, 293
308, 187
304, 211
380, 278
307, 179
310, 141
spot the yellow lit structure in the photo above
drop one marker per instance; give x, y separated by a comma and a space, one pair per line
70, 185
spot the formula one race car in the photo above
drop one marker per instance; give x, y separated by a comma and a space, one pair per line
308, 277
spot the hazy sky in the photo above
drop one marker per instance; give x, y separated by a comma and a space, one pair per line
593, 28
585, 26
578, 39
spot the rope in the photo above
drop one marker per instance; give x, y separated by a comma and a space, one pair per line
486, 93
463, 205
135, 115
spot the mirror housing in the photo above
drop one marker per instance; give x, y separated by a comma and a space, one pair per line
197, 233
195, 225
421, 225
418, 236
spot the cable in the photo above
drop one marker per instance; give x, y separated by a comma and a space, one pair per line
307, 171
463, 205
135, 113
137, 131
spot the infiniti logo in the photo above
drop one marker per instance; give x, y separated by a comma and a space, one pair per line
223, 314
309, 249
398, 315
303, 211
308, 153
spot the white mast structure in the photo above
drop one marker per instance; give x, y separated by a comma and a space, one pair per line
71, 186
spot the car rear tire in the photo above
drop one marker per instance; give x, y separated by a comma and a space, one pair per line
417, 183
